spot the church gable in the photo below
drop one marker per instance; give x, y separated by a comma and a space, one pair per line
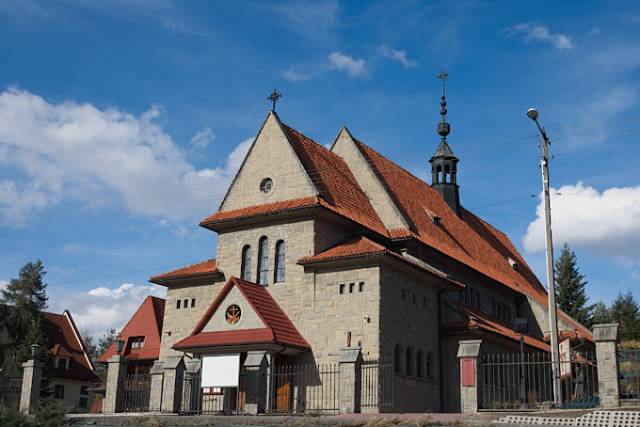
345, 147
233, 313
271, 171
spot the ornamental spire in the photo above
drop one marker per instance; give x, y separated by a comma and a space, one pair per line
443, 127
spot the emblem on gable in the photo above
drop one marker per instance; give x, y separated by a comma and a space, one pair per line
233, 313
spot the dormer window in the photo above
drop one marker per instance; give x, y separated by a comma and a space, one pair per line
61, 363
136, 343
513, 263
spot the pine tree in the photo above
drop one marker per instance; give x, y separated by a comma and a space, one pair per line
600, 314
570, 287
23, 301
626, 313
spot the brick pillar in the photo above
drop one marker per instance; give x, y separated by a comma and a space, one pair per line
116, 373
468, 352
350, 379
172, 385
155, 395
30, 393
254, 382
605, 336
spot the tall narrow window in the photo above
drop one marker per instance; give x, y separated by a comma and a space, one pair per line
263, 261
280, 261
429, 365
409, 361
397, 362
245, 268
419, 362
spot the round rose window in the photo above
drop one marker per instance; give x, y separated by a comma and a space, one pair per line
266, 185
232, 314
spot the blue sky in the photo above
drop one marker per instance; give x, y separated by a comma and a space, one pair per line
122, 123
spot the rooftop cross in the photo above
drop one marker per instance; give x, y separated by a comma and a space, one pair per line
443, 127
275, 95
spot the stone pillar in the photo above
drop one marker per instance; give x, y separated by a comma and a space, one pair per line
116, 374
174, 368
605, 336
254, 382
30, 393
155, 395
468, 352
350, 379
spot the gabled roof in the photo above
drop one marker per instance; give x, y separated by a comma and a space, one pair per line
202, 268
278, 327
464, 237
146, 322
476, 319
361, 246
337, 188
65, 341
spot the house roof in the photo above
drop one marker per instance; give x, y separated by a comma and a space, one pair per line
202, 268
464, 237
65, 341
146, 322
278, 327
476, 319
362, 247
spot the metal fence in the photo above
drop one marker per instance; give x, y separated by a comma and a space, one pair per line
376, 388
137, 390
629, 370
525, 381
304, 389
198, 400
10, 389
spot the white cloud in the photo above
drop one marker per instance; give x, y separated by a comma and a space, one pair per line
590, 123
398, 55
99, 157
203, 138
353, 67
539, 33
112, 306
312, 19
606, 223
294, 76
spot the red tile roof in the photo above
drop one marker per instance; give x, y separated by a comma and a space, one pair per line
464, 237
482, 321
146, 322
202, 268
361, 247
65, 341
265, 209
278, 327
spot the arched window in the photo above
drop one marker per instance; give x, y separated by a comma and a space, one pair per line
409, 361
419, 361
397, 361
280, 261
429, 365
245, 266
263, 261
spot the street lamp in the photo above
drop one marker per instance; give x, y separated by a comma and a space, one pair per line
532, 113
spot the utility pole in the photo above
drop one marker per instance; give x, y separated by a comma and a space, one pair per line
551, 287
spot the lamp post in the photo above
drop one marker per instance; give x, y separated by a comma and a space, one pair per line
532, 113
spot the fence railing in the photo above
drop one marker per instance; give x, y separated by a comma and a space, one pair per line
376, 389
304, 389
137, 390
198, 400
515, 381
629, 374
10, 389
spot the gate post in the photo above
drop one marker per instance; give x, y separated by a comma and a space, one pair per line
350, 379
172, 384
468, 352
605, 335
116, 373
254, 382
155, 395
30, 393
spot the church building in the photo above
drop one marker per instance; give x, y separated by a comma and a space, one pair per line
321, 249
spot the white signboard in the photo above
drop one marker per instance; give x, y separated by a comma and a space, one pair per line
565, 358
220, 371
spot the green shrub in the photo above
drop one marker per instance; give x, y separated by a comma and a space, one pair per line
51, 414
10, 417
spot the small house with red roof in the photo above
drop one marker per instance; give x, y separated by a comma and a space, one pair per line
321, 249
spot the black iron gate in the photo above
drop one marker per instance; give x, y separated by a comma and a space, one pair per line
137, 390
304, 389
376, 391
198, 400
10, 389
629, 369
515, 381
